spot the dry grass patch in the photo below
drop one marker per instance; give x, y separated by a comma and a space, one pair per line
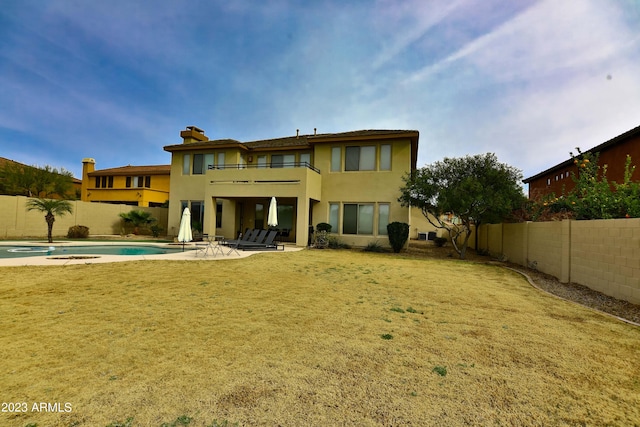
308, 338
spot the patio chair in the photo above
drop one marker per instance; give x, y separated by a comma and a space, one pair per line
233, 246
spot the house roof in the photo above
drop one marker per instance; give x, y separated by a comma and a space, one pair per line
134, 170
613, 141
302, 141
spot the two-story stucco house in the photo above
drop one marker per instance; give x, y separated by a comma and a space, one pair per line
350, 180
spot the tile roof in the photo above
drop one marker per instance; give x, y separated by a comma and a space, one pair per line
299, 141
134, 170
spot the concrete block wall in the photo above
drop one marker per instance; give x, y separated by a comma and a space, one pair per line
601, 254
605, 256
544, 249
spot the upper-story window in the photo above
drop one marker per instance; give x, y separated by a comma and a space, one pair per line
305, 159
336, 158
104, 181
360, 158
385, 157
262, 161
198, 164
283, 160
138, 181
201, 163
186, 164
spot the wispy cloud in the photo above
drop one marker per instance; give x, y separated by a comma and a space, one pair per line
525, 79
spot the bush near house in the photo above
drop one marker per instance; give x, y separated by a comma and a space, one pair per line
398, 235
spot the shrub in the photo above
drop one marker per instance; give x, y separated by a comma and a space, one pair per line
335, 243
155, 230
374, 247
78, 232
323, 226
398, 235
137, 219
440, 241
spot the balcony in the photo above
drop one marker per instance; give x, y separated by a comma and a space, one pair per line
299, 179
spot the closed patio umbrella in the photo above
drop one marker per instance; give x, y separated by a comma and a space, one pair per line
272, 219
184, 234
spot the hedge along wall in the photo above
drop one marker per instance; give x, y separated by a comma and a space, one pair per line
601, 254
101, 218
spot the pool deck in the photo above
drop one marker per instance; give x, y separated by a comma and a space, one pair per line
187, 255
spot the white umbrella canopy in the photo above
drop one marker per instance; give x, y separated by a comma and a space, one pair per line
272, 219
184, 234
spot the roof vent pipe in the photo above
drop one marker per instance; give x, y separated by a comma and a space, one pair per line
315, 131
297, 132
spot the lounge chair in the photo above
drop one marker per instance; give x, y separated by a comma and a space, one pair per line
260, 237
248, 236
268, 244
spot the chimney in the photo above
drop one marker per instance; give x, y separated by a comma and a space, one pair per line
315, 131
193, 134
88, 166
297, 133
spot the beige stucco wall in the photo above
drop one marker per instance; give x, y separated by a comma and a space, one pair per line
101, 218
601, 254
374, 187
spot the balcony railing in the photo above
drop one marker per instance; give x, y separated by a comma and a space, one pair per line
267, 166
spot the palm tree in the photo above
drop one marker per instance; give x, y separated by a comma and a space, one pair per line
52, 208
137, 218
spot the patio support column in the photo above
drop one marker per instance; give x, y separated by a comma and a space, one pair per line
302, 221
209, 226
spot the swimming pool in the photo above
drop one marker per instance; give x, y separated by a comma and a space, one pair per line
26, 251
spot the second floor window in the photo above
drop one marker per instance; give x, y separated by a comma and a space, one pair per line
283, 160
360, 158
138, 181
104, 181
198, 163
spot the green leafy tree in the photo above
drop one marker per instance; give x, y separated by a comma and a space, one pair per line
32, 181
455, 193
52, 208
137, 218
595, 197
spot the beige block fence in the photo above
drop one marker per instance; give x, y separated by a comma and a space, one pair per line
601, 254
101, 218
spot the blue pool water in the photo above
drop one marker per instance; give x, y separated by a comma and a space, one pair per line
26, 251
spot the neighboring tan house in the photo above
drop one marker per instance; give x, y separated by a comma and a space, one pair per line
613, 153
350, 180
128, 185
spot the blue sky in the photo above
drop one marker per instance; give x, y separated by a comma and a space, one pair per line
117, 80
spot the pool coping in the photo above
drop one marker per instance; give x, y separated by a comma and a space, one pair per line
190, 255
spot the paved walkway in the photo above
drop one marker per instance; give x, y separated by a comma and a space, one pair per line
187, 255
